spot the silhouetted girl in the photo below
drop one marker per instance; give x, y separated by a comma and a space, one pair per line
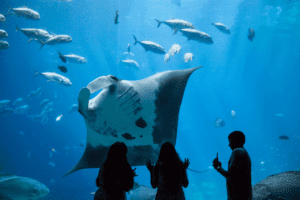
115, 175
169, 174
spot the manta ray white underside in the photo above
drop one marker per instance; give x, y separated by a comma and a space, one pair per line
143, 114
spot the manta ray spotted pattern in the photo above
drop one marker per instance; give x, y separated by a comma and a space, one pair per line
143, 114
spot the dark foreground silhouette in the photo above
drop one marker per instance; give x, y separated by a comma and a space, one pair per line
238, 176
115, 175
169, 174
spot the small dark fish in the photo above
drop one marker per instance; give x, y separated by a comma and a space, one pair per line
251, 34
62, 57
62, 69
284, 137
117, 17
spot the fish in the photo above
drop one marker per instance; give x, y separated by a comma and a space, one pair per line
221, 27
44, 120
3, 45
282, 186
31, 94
33, 33
279, 115
128, 50
284, 137
54, 77
57, 39
44, 102
175, 49
3, 103
131, 63
34, 93
72, 58
38, 91
59, 118
73, 108
251, 34
167, 57
233, 114
21, 109
143, 114
48, 106
187, 57
3, 34
34, 117
116, 17
5, 112
2, 18
14, 187
219, 123
26, 12
176, 24
193, 34
62, 57
62, 69
18, 101
142, 192
150, 46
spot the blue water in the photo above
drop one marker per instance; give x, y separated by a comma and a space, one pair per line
256, 79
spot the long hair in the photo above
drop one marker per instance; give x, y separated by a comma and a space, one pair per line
170, 159
116, 166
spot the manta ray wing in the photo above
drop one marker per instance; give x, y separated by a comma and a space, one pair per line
143, 114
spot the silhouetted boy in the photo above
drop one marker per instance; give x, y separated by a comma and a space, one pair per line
238, 176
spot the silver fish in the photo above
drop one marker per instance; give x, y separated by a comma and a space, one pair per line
4, 103
26, 12
33, 33
3, 34
72, 58
54, 77
6, 111
221, 27
3, 45
150, 46
251, 34
21, 109
193, 34
2, 18
18, 101
131, 63
73, 108
176, 24
57, 39
44, 102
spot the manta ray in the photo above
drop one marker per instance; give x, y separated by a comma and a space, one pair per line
143, 114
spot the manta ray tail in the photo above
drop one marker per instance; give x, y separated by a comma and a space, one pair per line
159, 22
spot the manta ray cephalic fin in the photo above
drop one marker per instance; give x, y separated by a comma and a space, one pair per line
101, 82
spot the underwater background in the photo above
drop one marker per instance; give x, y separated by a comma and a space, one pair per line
259, 80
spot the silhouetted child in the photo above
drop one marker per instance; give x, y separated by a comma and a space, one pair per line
169, 174
238, 176
115, 175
